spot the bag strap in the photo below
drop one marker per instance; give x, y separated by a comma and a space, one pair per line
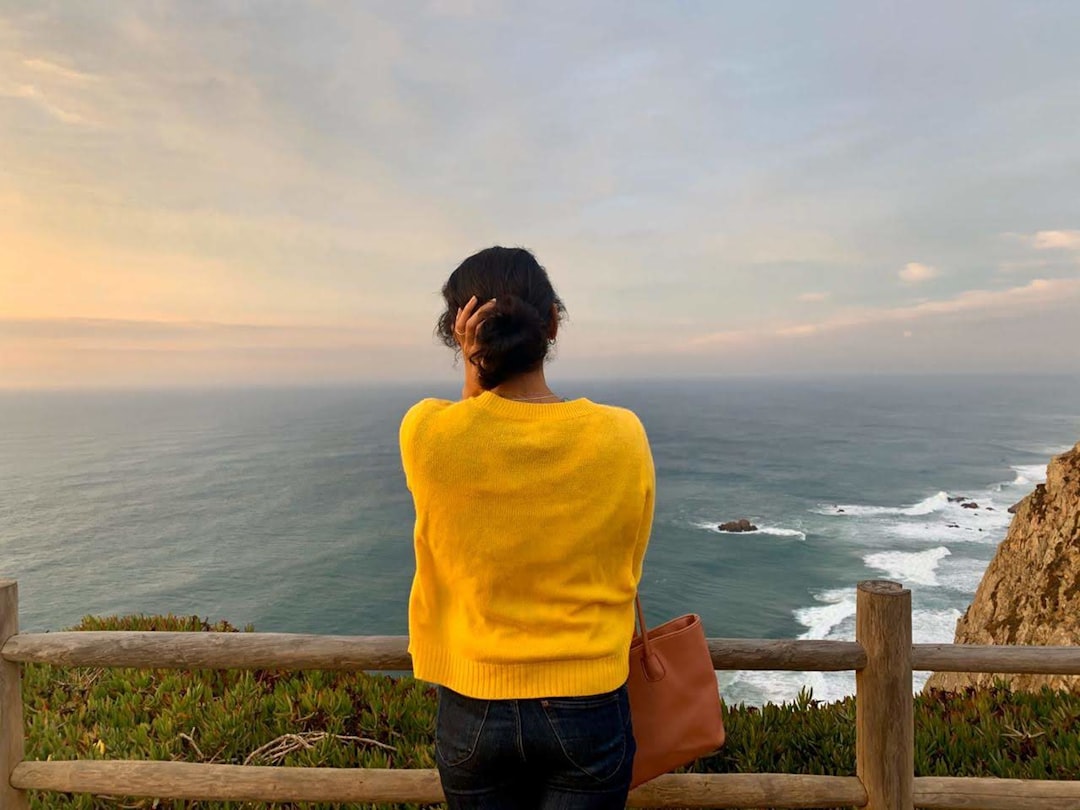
653, 667
645, 643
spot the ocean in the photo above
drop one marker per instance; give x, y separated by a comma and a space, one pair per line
287, 509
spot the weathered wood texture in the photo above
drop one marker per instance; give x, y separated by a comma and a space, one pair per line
187, 780
749, 790
884, 712
170, 650
962, 793
11, 712
793, 656
989, 658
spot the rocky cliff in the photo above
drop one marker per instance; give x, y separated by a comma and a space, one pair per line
1030, 593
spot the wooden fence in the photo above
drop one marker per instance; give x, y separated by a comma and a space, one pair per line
882, 656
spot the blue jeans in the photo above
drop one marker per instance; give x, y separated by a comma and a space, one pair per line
557, 753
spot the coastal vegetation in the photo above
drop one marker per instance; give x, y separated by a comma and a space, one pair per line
350, 719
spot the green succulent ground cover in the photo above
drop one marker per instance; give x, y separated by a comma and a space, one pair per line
340, 719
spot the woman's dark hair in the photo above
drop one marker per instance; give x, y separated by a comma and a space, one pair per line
514, 338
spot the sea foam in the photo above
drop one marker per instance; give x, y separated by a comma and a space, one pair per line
935, 503
910, 567
836, 607
1028, 475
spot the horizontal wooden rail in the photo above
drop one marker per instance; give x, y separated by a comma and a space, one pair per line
179, 650
962, 793
172, 650
791, 656
198, 781
1031, 660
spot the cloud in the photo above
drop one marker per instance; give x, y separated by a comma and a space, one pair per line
57, 71
916, 273
31, 93
1023, 265
1056, 240
1031, 297
814, 297
103, 353
130, 334
461, 8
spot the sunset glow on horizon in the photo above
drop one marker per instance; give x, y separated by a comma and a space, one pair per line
228, 195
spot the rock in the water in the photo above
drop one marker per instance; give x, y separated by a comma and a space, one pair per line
1030, 593
741, 525
969, 505
957, 498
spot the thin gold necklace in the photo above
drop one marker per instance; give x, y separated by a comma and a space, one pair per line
531, 399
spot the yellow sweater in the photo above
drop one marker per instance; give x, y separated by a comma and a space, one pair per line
531, 527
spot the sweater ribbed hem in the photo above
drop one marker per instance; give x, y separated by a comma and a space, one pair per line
534, 679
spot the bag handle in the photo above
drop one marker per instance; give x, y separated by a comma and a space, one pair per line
653, 666
642, 631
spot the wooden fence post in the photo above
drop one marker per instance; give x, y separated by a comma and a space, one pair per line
11, 713
884, 710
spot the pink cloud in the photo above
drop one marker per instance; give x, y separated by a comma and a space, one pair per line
916, 273
990, 303
1056, 240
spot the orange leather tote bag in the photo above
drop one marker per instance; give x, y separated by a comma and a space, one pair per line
675, 702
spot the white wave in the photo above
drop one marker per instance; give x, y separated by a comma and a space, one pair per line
909, 567
775, 531
778, 532
946, 532
821, 620
934, 626
758, 687
934, 503
962, 574
955, 524
1028, 475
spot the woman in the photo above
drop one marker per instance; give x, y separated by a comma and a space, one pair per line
532, 517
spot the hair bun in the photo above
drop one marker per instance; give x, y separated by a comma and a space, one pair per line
511, 338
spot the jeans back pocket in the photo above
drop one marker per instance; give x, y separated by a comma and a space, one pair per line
459, 721
591, 731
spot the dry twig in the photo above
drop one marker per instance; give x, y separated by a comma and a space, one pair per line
194, 744
280, 747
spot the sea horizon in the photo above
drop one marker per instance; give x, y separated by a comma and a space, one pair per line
554, 374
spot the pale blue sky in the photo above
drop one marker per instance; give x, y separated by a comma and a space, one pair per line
274, 192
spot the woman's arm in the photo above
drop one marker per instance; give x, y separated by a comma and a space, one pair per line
648, 473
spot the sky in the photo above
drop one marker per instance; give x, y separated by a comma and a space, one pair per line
220, 193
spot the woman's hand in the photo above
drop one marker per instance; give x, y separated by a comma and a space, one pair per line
469, 317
